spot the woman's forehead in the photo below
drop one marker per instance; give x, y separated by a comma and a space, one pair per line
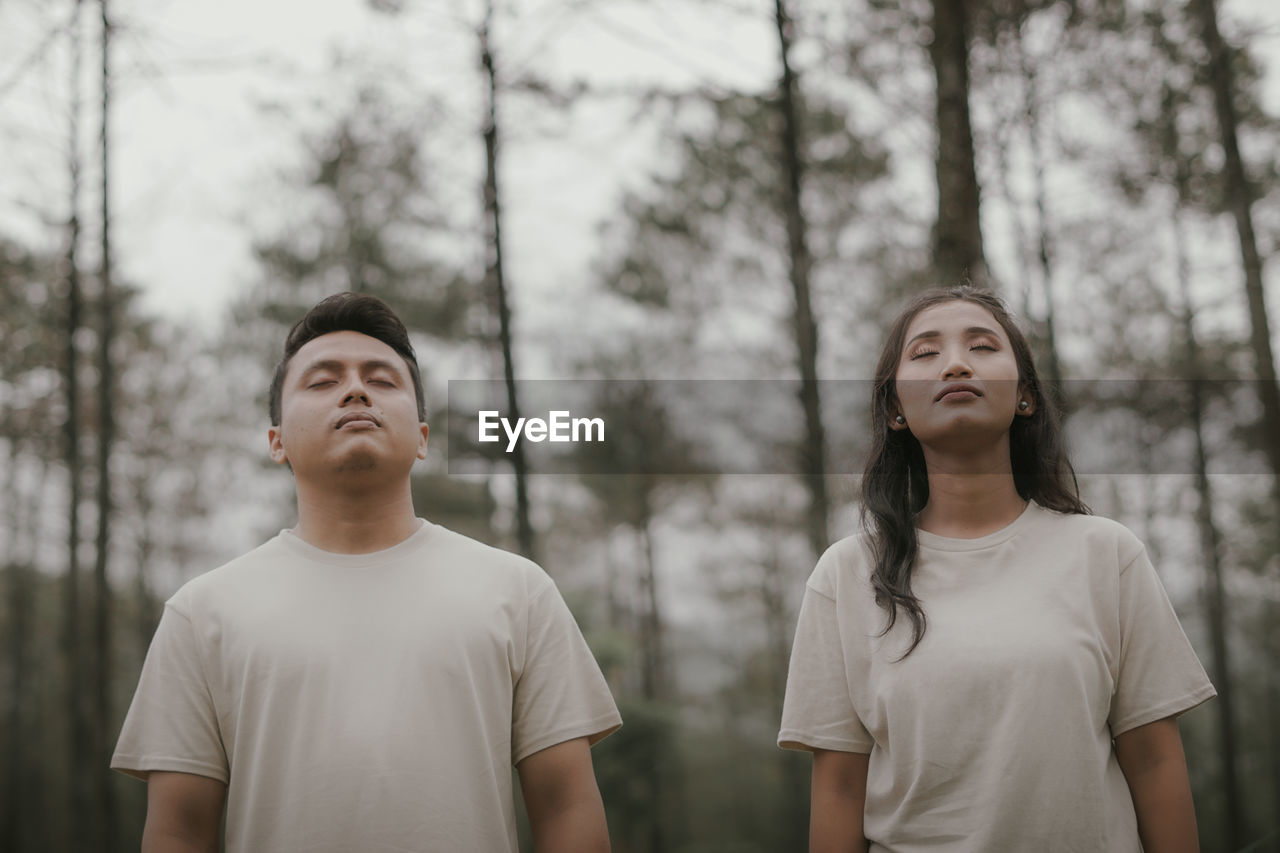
953, 316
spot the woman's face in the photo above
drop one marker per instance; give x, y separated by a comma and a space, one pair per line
957, 379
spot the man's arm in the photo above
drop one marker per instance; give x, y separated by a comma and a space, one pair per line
184, 813
566, 813
837, 795
1153, 763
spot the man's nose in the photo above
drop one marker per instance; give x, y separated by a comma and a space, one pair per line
355, 392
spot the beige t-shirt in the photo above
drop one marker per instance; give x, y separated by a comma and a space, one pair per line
1045, 640
371, 702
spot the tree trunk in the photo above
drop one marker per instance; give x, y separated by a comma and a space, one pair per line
72, 645
17, 574
664, 774
957, 246
103, 720
813, 451
497, 282
1239, 196
1214, 593
653, 666
1044, 243
779, 627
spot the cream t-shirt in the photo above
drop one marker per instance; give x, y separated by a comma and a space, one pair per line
372, 702
1045, 640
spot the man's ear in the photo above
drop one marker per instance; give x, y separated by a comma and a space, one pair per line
276, 444
422, 441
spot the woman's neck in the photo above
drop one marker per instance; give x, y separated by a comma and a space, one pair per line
970, 497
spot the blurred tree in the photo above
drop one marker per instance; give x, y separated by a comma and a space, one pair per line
1238, 197
73, 650
31, 399
102, 817
496, 279
1177, 127
957, 248
644, 464
794, 156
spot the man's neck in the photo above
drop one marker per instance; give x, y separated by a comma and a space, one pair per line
355, 522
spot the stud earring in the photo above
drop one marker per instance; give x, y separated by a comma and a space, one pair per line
1024, 405
899, 419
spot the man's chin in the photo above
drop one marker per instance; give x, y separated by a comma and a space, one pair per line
358, 463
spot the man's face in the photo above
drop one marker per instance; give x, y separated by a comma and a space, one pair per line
348, 407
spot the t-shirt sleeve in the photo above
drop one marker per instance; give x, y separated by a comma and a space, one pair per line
1157, 674
560, 693
172, 723
817, 711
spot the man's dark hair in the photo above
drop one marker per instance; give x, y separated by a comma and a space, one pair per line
348, 312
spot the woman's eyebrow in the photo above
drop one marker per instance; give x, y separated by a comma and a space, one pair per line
972, 330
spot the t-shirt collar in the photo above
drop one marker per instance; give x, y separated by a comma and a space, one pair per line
948, 543
304, 549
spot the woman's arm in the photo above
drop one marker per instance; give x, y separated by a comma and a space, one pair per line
1154, 766
838, 791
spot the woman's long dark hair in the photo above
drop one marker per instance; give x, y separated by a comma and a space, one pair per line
895, 483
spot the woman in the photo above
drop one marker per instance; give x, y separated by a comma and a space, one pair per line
987, 667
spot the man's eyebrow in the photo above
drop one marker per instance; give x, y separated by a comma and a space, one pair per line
336, 365
972, 330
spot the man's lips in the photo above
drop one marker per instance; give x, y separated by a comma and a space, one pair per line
363, 420
960, 390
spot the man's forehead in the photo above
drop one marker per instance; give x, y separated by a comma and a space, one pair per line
344, 347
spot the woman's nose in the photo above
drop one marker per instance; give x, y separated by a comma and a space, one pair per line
956, 367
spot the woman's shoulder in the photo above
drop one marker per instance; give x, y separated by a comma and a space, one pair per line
1071, 531
845, 563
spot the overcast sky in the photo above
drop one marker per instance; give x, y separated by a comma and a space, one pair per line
199, 152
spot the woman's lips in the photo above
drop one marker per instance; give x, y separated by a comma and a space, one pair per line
957, 391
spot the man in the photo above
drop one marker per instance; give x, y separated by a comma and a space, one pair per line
366, 680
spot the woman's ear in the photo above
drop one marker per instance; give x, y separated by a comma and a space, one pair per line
1026, 401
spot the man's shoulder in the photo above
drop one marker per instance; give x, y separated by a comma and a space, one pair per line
230, 573
465, 554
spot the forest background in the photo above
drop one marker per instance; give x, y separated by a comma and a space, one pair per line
631, 193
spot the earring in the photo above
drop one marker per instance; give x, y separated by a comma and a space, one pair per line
899, 419
1023, 406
